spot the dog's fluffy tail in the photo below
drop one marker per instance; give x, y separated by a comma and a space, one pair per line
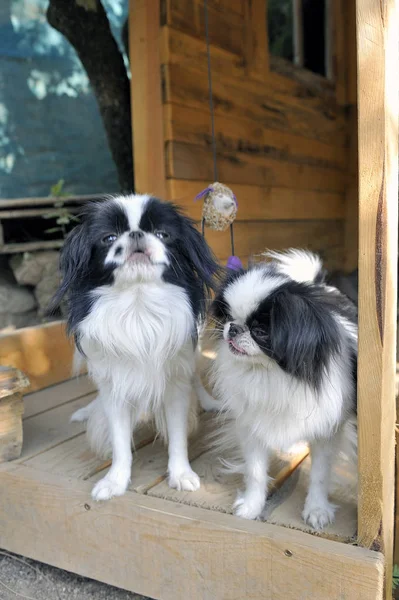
300, 265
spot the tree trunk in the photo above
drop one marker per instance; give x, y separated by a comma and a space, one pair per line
85, 25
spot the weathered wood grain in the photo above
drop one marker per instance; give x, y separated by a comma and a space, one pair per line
147, 119
263, 203
188, 161
193, 126
145, 545
377, 52
272, 110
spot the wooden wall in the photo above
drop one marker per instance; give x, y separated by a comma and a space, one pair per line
282, 138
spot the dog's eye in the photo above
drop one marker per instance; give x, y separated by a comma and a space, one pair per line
259, 332
109, 239
162, 235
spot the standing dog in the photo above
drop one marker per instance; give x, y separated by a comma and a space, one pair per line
285, 372
137, 276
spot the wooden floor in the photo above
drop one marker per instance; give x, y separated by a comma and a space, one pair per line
56, 463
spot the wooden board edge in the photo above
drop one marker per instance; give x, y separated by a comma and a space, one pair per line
156, 538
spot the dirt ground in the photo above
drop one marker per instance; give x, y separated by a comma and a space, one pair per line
22, 578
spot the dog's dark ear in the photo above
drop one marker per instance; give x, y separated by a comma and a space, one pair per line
199, 255
219, 309
303, 334
74, 263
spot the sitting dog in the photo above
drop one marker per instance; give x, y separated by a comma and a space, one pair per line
137, 277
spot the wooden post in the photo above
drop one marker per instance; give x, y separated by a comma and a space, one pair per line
146, 94
12, 384
256, 42
377, 59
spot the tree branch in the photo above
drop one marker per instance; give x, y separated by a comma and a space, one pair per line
85, 25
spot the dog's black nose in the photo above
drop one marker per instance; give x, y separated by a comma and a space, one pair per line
136, 235
235, 330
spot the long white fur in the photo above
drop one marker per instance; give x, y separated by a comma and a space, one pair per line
137, 339
265, 408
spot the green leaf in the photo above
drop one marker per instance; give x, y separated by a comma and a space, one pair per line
56, 189
53, 230
395, 577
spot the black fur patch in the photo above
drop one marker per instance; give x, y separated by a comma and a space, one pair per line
192, 264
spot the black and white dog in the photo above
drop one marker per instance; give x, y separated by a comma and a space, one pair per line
285, 372
137, 276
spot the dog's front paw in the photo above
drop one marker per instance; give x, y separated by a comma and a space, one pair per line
248, 507
108, 487
187, 481
81, 415
318, 516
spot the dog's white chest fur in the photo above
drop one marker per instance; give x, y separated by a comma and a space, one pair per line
134, 338
276, 408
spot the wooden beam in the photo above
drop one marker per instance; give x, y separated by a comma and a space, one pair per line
172, 551
146, 94
351, 155
258, 203
377, 57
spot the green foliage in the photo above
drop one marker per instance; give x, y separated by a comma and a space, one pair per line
63, 216
280, 28
395, 577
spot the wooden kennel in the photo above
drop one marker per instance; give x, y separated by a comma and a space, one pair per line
313, 161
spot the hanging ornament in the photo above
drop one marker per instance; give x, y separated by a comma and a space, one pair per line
220, 206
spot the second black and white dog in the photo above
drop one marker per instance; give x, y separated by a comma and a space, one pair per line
137, 274
285, 372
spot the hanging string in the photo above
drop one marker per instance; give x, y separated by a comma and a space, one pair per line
211, 108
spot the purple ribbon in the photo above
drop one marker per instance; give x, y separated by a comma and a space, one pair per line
207, 191
234, 263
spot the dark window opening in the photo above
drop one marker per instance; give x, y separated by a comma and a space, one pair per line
297, 32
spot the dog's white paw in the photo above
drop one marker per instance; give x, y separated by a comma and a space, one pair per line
319, 516
248, 507
108, 487
187, 481
81, 415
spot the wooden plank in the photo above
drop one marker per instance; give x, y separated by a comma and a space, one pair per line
226, 27
47, 200
148, 147
268, 108
33, 212
377, 47
43, 353
352, 192
218, 490
256, 44
73, 458
50, 397
47, 430
188, 161
179, 47
324, 237
151, 461
352, 198
30, 246
140, 543
184, 124
263, 203
298, 85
